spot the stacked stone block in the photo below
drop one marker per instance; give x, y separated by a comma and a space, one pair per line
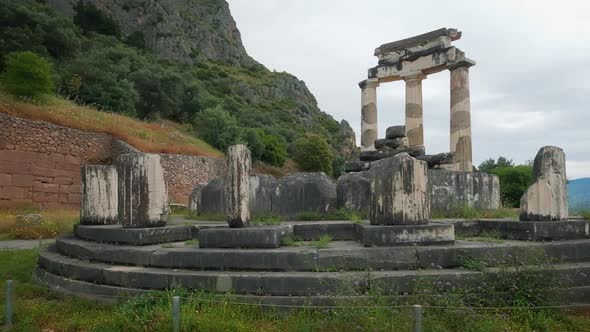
237, 186
99, 195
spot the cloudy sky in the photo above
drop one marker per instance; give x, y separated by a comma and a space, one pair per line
530, 86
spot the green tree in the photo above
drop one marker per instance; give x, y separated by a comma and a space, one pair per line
313, 154
488, 165
514, 181
27, 75
90, 18
218, 128
275, 150
253, 140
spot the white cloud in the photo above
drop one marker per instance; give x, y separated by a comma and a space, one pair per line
528, 89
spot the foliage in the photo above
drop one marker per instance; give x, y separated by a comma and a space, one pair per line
313, 154
514, 181
322, 242
91, 19
27, 75
467, 212
486, 236
268, 219
275, 150
488, 165
218, 127
585, 214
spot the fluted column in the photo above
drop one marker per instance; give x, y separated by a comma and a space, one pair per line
414, 115
369, 114
461, 116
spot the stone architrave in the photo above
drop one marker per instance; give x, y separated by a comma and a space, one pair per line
414, 113
99, 201
546, 198
399, 191
143, 195
237, 186
460, 143
369, 131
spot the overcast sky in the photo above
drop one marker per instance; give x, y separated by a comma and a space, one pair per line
530, 86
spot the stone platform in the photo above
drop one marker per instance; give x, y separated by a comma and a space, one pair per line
388, 236
302, 270
249, 237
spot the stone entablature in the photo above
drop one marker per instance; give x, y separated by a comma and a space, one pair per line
412, 60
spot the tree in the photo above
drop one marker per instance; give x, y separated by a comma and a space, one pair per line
218, 128
27, 75
514, 181
253, 140
90, 18
313, 154
488, 165
275, 150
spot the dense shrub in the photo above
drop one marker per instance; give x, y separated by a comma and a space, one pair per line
514, 181
313, 154
91, 19
27, 75
218, 128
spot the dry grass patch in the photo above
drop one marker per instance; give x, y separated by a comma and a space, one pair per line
162, 137
54, 223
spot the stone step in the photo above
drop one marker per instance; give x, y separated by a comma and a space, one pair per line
106, 293
338, 255
303, 283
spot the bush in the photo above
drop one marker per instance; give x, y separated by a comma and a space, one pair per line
27, 75
514, 181
313, 154
90, 18
275, 150
218, 128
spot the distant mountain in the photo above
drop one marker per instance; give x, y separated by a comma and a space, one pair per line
578, 192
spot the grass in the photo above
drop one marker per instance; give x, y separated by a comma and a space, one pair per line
268, 219
38, 309
322, 242
291, 241
55, 223
486, 236
192, 243
162, 137
340, 214
467, 212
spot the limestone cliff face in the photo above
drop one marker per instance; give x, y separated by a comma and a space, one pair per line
180, 30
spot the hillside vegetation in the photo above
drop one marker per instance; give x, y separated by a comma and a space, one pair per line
98, 61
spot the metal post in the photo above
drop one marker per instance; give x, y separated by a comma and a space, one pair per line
417, 318
9, 304
176, 314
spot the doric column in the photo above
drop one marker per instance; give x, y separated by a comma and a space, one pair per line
369, 113
414, 117
461, 116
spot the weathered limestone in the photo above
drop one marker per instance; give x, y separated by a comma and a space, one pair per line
546, 198
304, 192
250, 237
99, 200
143, 196
395, 132
460, 143
356, 166
414, 151
399, 192
453, 189
437, 160
353, 191
212, 198
237, 186
369, 131
414, 115
391, 143
194, 200
262, 192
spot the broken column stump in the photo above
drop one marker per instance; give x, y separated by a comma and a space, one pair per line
143, 196
237, 186
99, 195
546, 198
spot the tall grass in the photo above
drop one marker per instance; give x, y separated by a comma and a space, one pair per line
163, 137
54, 223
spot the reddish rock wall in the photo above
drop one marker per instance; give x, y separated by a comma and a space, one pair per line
40, 164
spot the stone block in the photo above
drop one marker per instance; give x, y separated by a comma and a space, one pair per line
414, 151
212, 201
399, 192
5, 180
457, 189
384, 236
248, 237
353, 191
356, 166
304, 192
143, 196
546, 198
237, 186
391, 143
436, 160
99, 195
194, 200
262, 193
338, 230
395, 132
133, 236
538, 230
22, 180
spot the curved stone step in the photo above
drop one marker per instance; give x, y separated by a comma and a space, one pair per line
284, 283
339, 255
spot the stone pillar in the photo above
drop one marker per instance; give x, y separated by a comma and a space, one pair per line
399, 191
414, 117
143, 196
237, 186
99, 195
369, 132
461, 116
546, 198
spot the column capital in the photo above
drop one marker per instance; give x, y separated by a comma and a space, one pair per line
369, 83
462, 63
415, 76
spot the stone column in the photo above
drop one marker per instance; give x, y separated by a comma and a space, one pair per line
237, 186
99, 195
461, 116
414, 117
143, 196
369, 114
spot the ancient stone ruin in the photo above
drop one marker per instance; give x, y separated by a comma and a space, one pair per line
128, 244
